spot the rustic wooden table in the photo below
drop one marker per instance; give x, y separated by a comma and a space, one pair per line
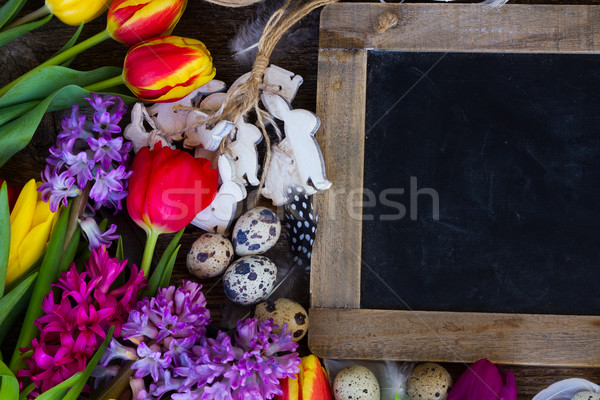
215, 26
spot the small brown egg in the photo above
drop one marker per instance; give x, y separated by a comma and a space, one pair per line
209, 256
284, 311
356, 383
429, 381
587, 395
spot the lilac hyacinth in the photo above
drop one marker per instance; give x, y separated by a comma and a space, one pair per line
173, 357
86, 153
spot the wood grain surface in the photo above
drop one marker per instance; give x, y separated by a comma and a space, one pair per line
337, 96
215, 26
461, 337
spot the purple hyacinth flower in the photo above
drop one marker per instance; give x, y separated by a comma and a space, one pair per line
80, 166
118, 351
57, 188
72, 127
106, 150
150, 363
94, 234
165, 385
107, 182
100, 103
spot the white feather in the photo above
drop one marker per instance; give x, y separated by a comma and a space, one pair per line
245, 42
392, 376
566, 389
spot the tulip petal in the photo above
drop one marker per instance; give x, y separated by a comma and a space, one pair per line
509, 391
74, 12
482, 381
314, 382
132, 21
173, 67
21, 218
138, 184
35, 242
180, 188
290, 389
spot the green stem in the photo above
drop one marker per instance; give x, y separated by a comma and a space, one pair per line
149, 251
99, 86
61, 57
40, 12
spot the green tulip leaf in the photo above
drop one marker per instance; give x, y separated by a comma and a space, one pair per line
13, 33
166, 278
78, 387
25, 392
9, 10
46, 276
8, 326
156, 278
15, 135
50, 79
7, 114
58, 392
12, 298
4, 236
120, 253
70, 44
9, 387
71, 250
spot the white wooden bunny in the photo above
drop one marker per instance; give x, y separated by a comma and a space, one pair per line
218, 215
300, 127
243, 151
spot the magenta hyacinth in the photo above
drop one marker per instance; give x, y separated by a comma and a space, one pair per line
174, 358
75, 324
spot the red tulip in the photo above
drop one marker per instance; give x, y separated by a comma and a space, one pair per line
167, 68
484, 381
310, 384
132, 21
166, 190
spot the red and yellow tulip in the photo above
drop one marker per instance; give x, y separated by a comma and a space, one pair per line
132, 21
74, 12
167, 68
166, 190
310, 384
31, 222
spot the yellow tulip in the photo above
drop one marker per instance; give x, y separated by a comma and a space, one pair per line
74, 12
31, 223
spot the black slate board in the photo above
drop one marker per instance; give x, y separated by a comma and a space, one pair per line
511, 145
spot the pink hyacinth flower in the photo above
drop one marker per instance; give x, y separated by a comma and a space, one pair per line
484, 381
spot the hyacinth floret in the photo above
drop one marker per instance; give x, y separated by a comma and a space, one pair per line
175, 358
85, 151
77, 316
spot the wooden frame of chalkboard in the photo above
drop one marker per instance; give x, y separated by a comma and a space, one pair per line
339, 327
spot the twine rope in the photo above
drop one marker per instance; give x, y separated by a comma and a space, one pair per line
245, 98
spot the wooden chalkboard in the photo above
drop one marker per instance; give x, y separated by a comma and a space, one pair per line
482, 129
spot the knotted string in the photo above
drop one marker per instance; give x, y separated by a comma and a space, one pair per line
246, 96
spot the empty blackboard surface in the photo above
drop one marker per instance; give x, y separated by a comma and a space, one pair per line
509, 144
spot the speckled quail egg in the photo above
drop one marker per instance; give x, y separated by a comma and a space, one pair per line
429, 381
587, 395
284, 311
256, 231
356, 383
249, 279
209, 255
